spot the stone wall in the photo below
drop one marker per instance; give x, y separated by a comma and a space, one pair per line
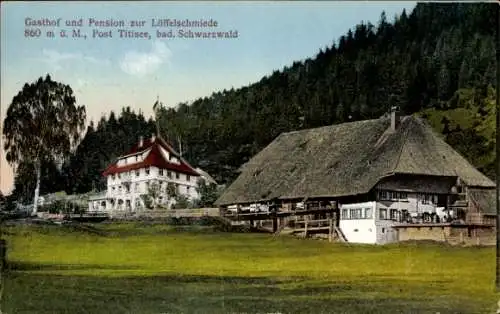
453, 234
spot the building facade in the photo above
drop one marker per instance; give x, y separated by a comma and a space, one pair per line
374, 221
151, 174
381, 174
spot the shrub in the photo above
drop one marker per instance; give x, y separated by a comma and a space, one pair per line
181, 202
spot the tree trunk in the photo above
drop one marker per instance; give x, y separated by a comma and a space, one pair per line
37, 188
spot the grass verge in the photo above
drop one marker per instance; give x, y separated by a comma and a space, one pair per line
158, 268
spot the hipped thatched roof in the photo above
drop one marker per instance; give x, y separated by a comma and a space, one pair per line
347, 159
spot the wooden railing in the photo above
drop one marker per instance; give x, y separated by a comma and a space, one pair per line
195, 212
308, 225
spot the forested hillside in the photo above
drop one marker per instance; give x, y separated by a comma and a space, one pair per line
418, 62
437, 61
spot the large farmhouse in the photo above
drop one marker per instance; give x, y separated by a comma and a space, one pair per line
382, 176
152, 164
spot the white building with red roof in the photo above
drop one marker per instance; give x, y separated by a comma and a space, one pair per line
151, 162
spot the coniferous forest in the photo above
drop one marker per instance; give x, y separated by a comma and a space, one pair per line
437, 61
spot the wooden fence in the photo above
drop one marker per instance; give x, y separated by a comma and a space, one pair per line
158, 214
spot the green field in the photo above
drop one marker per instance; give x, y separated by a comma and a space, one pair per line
137, 268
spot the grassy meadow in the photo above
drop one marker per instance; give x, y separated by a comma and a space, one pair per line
140, 268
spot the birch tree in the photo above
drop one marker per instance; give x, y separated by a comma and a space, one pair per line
43, 122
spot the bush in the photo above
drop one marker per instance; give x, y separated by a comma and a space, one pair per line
182, 202
60, 206
208, 193
54, 207
181, 221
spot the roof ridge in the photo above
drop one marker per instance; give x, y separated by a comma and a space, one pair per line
138, 152
333, 125
172, 150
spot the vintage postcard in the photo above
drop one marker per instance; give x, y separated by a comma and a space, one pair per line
248, 157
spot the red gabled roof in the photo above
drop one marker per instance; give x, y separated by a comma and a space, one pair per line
154, 158
147, 143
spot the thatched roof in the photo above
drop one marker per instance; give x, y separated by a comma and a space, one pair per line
347, 159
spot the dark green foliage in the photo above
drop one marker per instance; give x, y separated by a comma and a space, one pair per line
10, 203
52, 180
208, 193
101, 145
62, 207
43, 123
417, 62
81, 171
467, 123
171, 190
3, 200
181, 202
56, 207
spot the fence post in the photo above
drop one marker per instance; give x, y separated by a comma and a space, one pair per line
305, 227
330, 231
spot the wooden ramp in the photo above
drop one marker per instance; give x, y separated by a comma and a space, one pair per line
340, 235
317, 220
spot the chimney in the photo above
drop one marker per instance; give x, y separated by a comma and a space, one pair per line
394, 118
153, 137
141, 141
